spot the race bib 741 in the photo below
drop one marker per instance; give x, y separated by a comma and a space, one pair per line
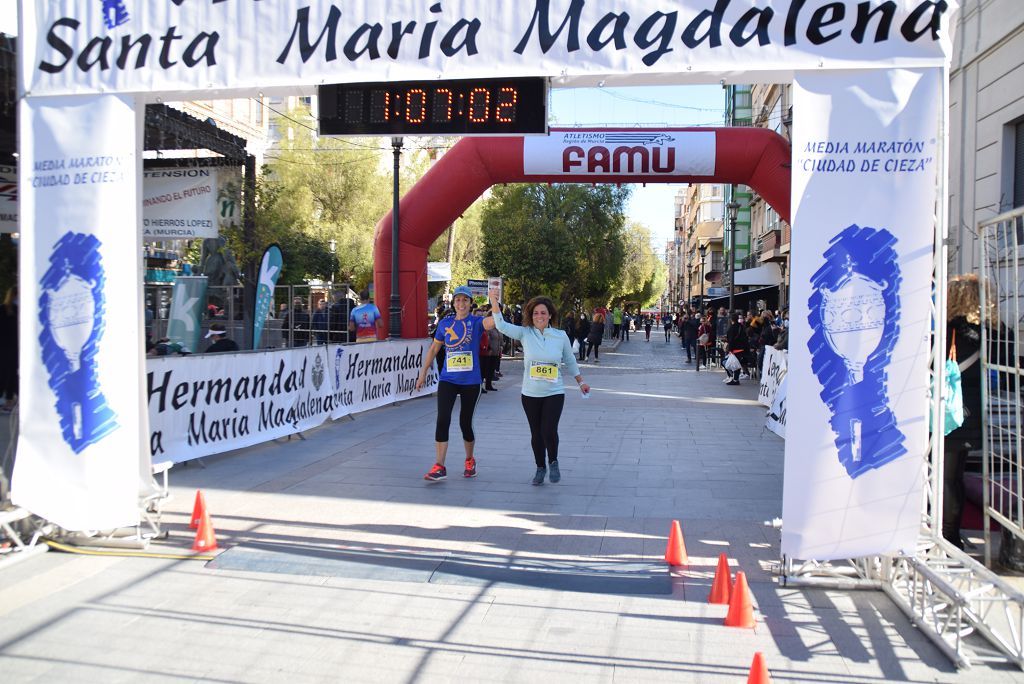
459, 362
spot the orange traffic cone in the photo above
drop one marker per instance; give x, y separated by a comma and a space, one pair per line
741, 613
759, 671
206, 539
675, 552
197, 510
721, 587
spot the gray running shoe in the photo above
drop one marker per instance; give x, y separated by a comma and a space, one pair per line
538, 478
556, 474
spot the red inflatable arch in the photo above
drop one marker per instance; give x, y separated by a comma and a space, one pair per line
755, 157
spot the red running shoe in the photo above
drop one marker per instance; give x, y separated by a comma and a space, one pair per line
470, 470
436, 474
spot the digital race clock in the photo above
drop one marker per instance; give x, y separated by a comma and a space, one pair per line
494, 106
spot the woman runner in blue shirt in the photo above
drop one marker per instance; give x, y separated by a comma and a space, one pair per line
459, 335
545, 350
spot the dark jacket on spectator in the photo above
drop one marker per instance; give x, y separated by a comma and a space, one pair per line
297, 320
736, 338
582, 328
690, 328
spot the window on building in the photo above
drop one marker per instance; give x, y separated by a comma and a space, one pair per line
1018, 165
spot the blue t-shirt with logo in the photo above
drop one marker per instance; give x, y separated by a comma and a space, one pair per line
461, 340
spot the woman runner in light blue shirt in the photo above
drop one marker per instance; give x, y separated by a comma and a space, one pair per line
545, 350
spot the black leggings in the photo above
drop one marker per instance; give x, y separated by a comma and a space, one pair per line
593, 347
543, 414
488, 364
9, 375
446, 393
953, 493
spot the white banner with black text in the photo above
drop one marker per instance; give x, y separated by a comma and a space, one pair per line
207, 404
775, 418
179, 204
866, 158
78, 459
88, 46
773, 369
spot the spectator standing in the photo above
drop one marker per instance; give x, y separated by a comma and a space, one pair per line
627, 323
569, 326
963, 328
691, 326
722, 323
297, 321
321, 322
666, 324
616, 322
737, 343
582, 333
594, 337
337, 319
490, 355
705, 340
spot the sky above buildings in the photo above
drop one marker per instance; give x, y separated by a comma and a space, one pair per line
9, 17
642, 106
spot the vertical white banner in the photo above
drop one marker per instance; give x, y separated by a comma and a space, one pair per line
865, 158
81, 427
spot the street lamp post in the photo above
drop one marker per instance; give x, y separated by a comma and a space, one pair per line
733, 208
333, 245
703, 249
395, 309
678, 271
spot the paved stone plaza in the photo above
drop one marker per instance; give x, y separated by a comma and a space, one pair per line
341, 564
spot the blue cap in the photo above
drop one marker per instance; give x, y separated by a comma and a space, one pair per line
462, 290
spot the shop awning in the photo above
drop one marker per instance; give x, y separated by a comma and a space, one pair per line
743, 300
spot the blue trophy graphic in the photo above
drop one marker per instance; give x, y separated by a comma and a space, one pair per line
854, 317
114, 13
71, 310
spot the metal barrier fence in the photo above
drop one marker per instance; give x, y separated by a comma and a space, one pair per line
301, 315
1002, 269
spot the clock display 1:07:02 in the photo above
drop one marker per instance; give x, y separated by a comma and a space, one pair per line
441, 105
464, 107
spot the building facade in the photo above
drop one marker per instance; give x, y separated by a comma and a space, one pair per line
986, 123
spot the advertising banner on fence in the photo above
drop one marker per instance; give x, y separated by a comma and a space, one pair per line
773, 370
775, 420
865, 163
207, 404
75, 46
78, 452
179, 204
188, 301
8, 199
